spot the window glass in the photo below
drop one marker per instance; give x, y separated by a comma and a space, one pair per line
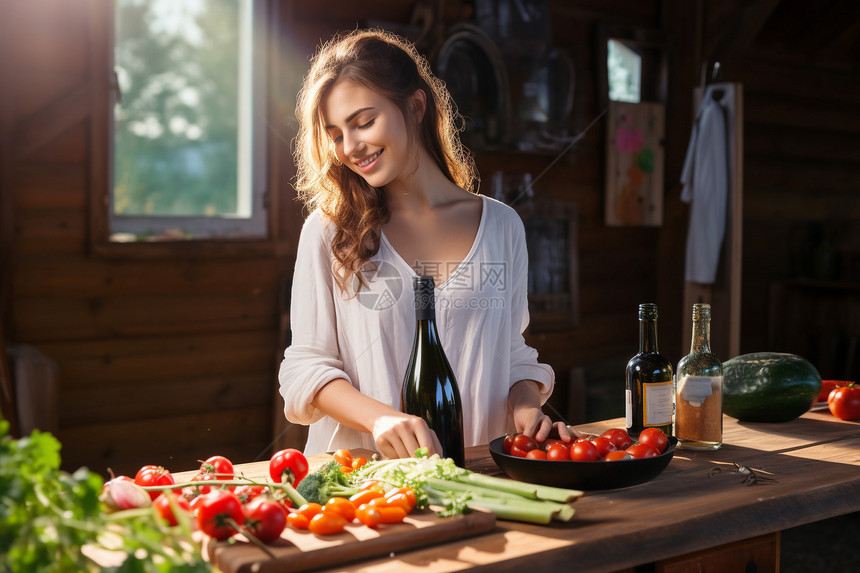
624, 72
188, 122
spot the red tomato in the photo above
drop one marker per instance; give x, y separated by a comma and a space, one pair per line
617, 455
584, 451
219, 514
164, 509
507, 443
519, 453
201, 489
619, 437
149, 476
640, 451
265, 519
558, 453
536, 454
844, 403
829, 385
604, 445
524, 443
654, 438
326, 523
246, 493
218, 466
289, 466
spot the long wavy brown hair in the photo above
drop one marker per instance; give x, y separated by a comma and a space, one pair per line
391, 66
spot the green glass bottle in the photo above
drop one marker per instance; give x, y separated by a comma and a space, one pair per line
429, 387
649, 396
699, 389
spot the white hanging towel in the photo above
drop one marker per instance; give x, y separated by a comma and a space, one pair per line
706, 180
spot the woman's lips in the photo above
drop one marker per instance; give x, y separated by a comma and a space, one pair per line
366, 165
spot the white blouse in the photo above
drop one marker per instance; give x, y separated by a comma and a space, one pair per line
481, 313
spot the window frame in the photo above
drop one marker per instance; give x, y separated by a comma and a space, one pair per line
276, 241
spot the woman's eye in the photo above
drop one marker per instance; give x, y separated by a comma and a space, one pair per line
337, 139
368, 124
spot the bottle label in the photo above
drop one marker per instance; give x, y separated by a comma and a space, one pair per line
658, 399
628, 407
694, 389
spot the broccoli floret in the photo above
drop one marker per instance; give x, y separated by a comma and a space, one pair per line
326, 483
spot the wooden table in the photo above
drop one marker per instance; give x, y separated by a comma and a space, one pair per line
813, 462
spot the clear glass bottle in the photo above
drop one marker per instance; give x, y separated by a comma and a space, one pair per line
699, 389
429, 387
649, 396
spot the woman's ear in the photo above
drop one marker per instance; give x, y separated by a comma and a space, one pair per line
419, 104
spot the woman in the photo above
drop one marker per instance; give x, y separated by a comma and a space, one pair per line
391, 191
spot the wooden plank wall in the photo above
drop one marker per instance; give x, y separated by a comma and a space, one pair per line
801, 173
163, 360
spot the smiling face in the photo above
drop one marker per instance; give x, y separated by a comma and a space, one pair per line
368, 132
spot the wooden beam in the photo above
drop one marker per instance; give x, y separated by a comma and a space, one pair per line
743, 29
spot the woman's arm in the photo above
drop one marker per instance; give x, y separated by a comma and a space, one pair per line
397, 435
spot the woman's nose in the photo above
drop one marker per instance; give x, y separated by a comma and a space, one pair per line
351, 143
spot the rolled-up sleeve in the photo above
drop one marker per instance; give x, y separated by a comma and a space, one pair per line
524, 358
312, 360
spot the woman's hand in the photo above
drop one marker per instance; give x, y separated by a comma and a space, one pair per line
399, 435
529, 418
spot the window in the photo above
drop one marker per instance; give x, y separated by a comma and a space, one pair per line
624, 72
188, 153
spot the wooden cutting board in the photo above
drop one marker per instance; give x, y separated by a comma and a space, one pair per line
304, 551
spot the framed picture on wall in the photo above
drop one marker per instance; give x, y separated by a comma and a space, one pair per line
634, 164
553, 281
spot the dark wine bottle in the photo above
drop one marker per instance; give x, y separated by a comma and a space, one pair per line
650, 390
429, 387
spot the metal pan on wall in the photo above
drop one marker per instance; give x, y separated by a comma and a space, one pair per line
472, 67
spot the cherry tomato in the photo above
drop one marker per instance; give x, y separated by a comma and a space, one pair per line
343, 457
518, 452
298, 521
536, 454
366, 496
844, 403
408, 495
604, 445
219, 466
289, 466
165, 510
219, 514
617, 455
391, 514
584, 451
619, 437
368, 515
149, 476
524, 443
246, 493
342, 507
654, 438
200, 489
358, 462
326, 523
640, 451
265, 519
508, 442
309, 509
197, 503
558, 453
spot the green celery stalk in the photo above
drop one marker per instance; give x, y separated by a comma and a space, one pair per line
531, 490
